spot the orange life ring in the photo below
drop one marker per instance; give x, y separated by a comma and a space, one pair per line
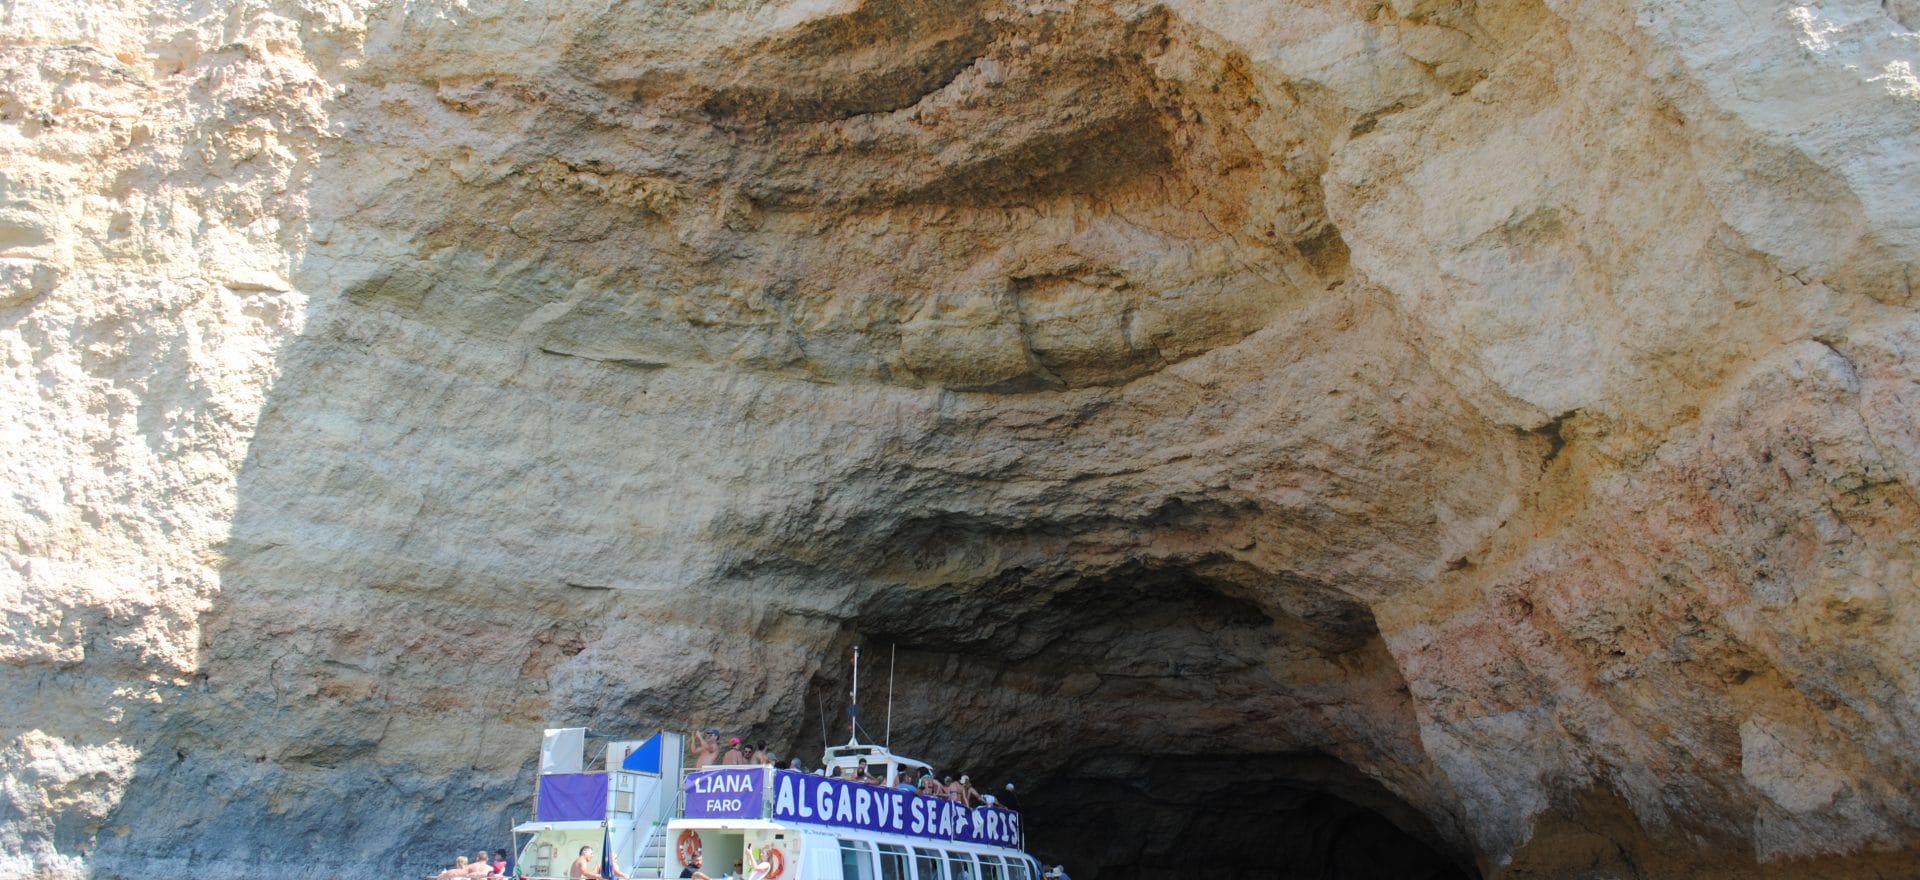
778, 863
687, 846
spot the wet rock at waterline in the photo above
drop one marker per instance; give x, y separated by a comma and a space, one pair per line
1479, 431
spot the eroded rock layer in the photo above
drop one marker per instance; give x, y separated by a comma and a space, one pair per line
1484, 428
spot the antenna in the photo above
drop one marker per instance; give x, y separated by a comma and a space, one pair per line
853, 711
895, 655
821, 702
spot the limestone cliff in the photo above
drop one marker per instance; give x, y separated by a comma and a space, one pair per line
1496, 417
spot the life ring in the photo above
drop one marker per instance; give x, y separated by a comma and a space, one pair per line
688, 846
778, 863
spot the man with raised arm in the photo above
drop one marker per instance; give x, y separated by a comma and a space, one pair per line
706, 747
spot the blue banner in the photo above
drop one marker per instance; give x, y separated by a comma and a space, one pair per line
822, 800
725, 794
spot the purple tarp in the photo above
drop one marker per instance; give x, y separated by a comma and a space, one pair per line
569, 796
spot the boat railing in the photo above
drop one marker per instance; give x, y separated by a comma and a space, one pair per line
657, 814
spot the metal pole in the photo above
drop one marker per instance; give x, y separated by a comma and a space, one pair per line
853, 717
888, 739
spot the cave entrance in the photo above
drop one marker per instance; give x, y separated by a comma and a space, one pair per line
1245, 817
1195, 719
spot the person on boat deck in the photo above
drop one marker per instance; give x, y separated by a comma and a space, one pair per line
952, 790
692, 870
761, 867
968, 794
748, 755
1059, 872
613, 866
930, 786
706, 747
583, 867
501, 864
459, 869
733, 755
481, 866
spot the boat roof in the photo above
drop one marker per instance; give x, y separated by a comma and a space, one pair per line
874, 753
568, 825
730, 824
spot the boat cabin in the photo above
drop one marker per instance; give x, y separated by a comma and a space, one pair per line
844, 762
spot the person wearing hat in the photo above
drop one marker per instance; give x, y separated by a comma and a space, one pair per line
1059, 872
1008, 799
734, 755
706, 747
968, 794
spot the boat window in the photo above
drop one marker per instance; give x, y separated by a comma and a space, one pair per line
960, 867
856, 860
893, 862
991, 868
1017, 870
927, 864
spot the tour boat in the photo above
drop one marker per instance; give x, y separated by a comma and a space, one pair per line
650, 816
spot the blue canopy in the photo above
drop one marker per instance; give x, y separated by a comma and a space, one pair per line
646, 758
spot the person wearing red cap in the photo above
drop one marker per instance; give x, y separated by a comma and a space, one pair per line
733, 755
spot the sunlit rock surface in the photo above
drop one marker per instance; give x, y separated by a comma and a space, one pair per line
1492, 424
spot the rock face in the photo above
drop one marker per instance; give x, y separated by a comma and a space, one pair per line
1489, 426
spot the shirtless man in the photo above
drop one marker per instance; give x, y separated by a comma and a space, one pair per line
733, 755
692, 870
459, 869
584, 867
968, 794
706, 747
